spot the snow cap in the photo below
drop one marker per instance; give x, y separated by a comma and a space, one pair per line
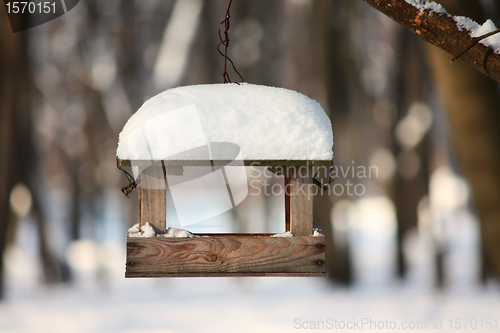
266, 123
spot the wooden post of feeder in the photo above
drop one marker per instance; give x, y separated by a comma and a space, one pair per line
153, 198
299, 200
287, 201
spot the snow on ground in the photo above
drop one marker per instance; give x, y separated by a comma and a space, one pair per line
101, 300
234, 305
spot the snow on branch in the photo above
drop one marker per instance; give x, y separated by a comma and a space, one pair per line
476, 45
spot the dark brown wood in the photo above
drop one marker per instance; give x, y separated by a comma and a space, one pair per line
301, 192
225, 256
257, 163
441, 30
152, 199
287, 203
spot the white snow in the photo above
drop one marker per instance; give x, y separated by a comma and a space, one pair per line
427, 5
476, 30
176, 232
101, 300
317, 233
148, 231
135, 229
465, 23
284, 234
265, 122
144, 231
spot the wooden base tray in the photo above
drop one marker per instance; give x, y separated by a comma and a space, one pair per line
225, 255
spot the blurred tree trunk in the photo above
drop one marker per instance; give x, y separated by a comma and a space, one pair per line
409, 189
307, 31
10, 44
18, 162
472, 103
340, 82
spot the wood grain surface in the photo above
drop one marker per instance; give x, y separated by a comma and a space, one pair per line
225, 256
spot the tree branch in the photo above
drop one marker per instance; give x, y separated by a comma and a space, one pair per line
441, 30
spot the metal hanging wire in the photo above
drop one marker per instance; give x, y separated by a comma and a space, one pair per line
131, 181
225, 41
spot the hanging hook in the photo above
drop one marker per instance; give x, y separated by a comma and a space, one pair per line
131, 181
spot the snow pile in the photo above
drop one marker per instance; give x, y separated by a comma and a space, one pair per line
423, 5
148, 231
476, 30
317, 233
176, 232
265, 122
144, 231
285, 234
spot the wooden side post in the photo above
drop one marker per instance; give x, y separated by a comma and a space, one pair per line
300, 193
287, 202
152, 198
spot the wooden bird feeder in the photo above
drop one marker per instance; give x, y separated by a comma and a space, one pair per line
224, 254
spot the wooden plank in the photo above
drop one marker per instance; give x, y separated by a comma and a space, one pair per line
301, 200
235, 235
174, 170
286, 183
256, 163
152, 199
225, 256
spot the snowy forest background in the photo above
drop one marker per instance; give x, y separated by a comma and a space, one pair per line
410, 248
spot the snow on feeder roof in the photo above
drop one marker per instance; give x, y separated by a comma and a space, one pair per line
266, 123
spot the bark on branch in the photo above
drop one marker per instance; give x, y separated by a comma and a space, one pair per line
441, 30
